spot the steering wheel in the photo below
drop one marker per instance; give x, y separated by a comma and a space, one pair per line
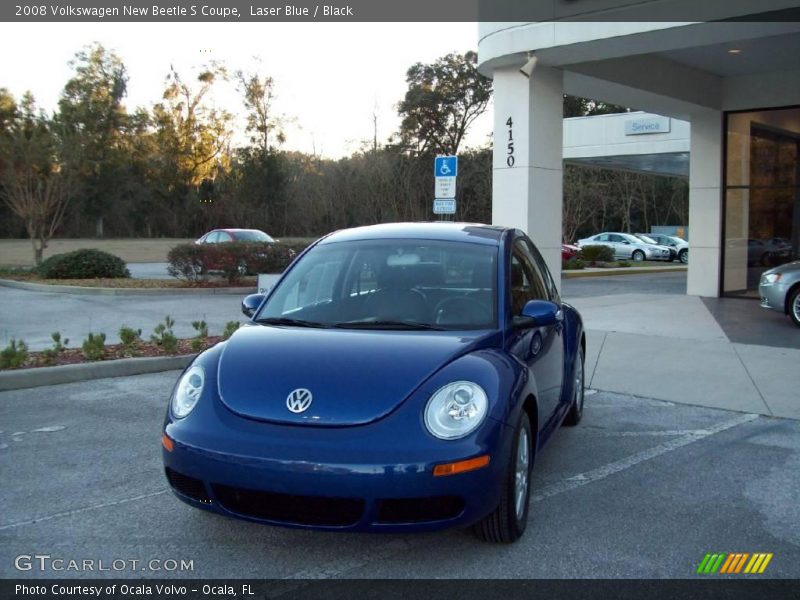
461, 310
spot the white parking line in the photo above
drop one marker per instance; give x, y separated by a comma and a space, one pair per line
599, 473
68, 513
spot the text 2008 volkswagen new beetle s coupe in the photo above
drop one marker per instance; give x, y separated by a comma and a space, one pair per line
398, 377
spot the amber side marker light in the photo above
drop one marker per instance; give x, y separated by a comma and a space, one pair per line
167, 443
461, 466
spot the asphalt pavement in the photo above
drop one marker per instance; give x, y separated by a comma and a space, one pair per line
640, 489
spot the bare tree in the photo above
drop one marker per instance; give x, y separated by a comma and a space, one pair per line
33, 181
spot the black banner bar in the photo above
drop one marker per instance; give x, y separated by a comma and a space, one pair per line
396, 10
419, 589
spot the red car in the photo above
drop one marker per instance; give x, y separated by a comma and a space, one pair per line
219, 236
568, 251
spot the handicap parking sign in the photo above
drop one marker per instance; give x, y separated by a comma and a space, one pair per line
445, 166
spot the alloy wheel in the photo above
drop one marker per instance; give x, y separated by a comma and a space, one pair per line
521, 473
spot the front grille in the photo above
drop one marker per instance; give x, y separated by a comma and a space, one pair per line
287, 508
416, 510
188, 486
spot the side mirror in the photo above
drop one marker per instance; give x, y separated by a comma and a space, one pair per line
625, 242
539, 313
251, 303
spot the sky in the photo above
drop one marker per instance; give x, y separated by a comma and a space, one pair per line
329, 77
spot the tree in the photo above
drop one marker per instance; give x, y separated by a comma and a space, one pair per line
34, 182
575, 106
258, 94
92, 114
443, 99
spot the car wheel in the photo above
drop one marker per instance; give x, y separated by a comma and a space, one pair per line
684, 255
576, 409
794, 305
637, 255
508, 521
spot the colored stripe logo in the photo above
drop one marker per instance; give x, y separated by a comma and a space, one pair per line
731, 563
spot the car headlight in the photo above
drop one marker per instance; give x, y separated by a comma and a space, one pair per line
188, 392
772, 277
456, 410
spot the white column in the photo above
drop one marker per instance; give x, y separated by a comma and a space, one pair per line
705, 204
528, 175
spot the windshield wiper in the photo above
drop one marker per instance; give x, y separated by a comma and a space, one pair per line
386, 324
290, 322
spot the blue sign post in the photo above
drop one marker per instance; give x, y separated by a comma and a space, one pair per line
445, 170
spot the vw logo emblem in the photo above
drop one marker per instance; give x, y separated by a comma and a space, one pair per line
299, 400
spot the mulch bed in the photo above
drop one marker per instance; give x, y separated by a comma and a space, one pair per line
72, 356
124, 282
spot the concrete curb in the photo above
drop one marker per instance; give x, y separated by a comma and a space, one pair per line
80, 290
40, 376
625, 271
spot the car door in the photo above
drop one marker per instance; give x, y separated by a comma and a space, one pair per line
541, 349
621, 248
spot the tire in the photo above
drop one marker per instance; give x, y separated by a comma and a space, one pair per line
508, 521
794, 305
683, 255
637, 255
575, 413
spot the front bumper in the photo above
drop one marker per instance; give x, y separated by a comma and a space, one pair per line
347, 479
773, 296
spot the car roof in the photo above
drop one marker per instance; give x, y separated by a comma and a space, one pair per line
445, 231
234, 230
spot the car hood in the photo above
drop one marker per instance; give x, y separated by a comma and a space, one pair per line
790, 267
354, 377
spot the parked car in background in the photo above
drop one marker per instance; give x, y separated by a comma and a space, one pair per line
779, 289
679, 247
627, 246
569, 251
399, 377
220, 236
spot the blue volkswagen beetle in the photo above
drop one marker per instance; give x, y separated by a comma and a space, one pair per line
398, 377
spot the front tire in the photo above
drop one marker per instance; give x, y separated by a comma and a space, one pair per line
575, 413
637, 255
684, 256
508, 521
794, 306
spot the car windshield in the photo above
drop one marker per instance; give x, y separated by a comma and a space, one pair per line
388, 284
647, 239
252, 235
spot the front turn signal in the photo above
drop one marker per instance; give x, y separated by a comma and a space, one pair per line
461, 466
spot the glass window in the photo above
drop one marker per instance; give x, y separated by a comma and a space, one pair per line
761, 197
526, 282
391, 284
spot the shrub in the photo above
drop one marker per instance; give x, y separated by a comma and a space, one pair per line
186, 262
596, 253
572, 264
83, 264
623, 263
13, 355
201, 327
51, 354
94, 346
230, 329
130, 339
164, 337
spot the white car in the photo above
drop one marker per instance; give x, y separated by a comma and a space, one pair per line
680, 246
627, 246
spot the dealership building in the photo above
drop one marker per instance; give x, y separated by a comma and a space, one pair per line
721, 102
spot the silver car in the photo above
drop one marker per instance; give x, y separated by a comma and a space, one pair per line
680, 247
627, 246
779, 289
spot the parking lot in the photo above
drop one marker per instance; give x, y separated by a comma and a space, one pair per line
641, 488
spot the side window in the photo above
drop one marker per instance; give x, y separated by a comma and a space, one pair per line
615, 238
601, 238
544, 272
525, 282
212, 238
224, 237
